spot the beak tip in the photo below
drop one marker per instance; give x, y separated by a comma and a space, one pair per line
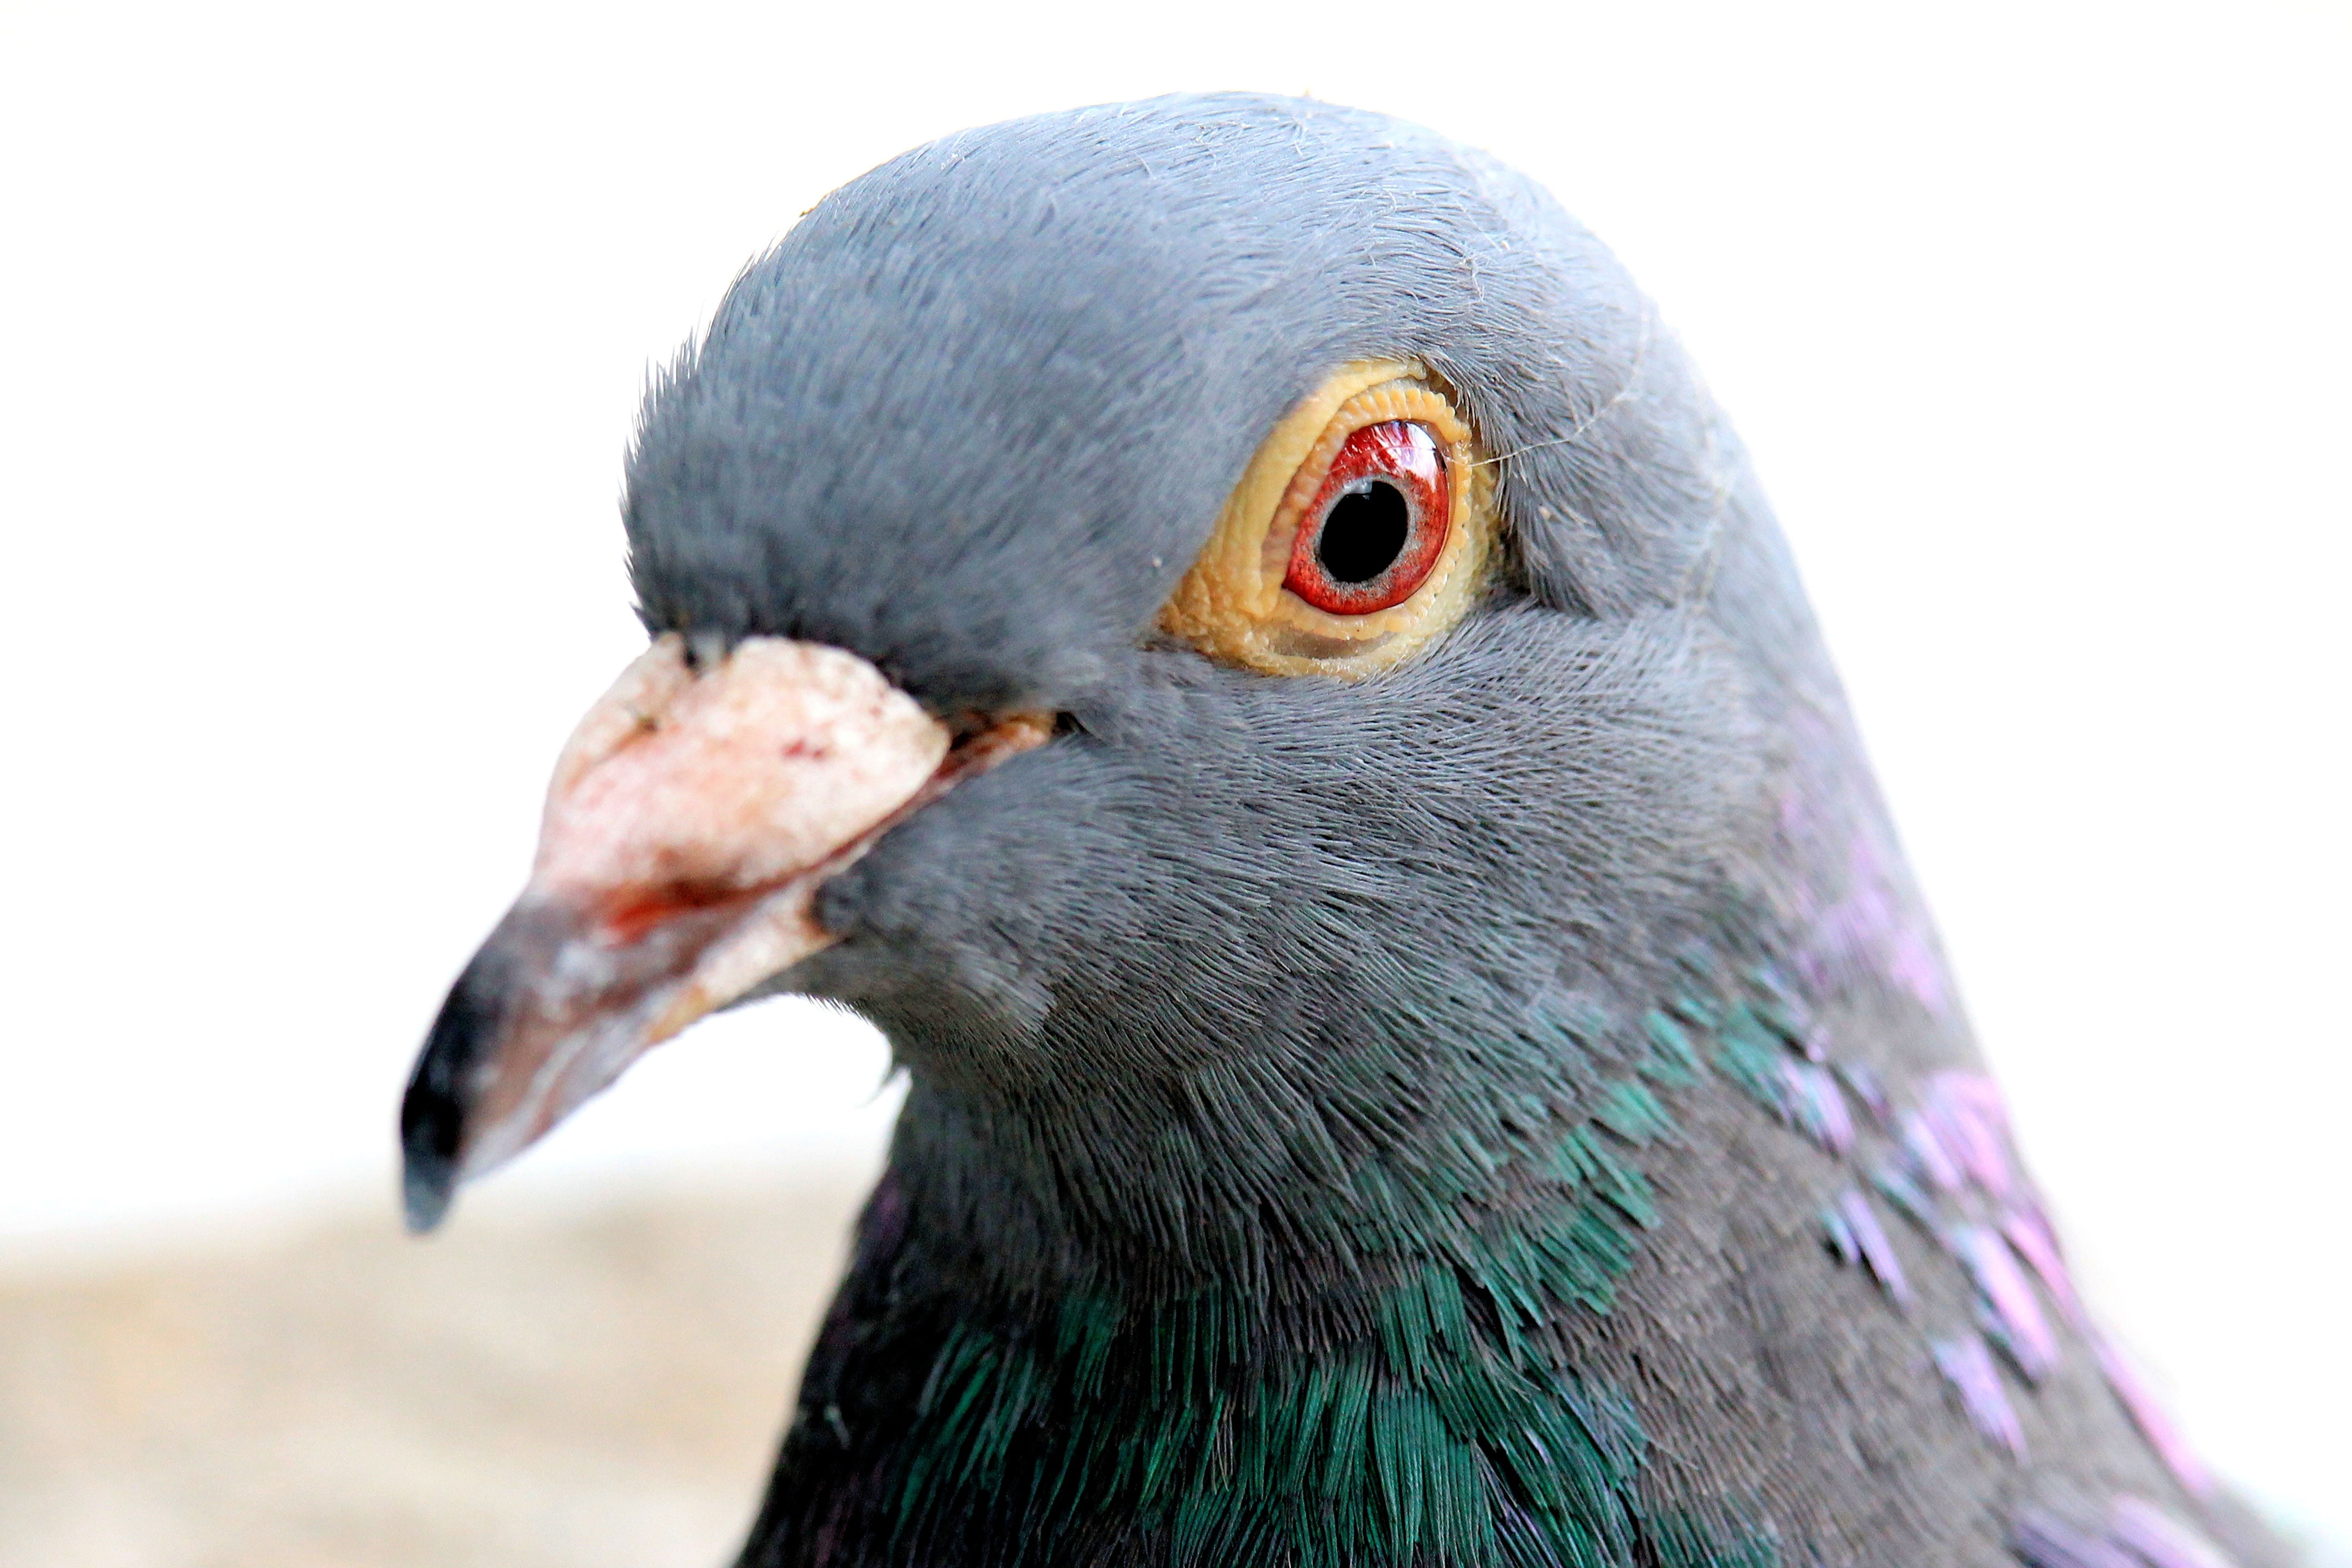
430, 1127
425, 1194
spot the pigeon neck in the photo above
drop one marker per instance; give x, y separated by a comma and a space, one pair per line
1379, 1375
1197, 1323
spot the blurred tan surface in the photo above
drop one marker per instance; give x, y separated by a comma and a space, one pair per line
577, 1389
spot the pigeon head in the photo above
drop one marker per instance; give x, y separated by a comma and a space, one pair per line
1226, 628
979, 465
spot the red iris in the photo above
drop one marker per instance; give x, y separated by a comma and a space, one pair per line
1377, 526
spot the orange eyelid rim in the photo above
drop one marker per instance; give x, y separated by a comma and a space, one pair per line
1232, 605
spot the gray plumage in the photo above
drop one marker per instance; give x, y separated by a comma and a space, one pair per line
1171, 985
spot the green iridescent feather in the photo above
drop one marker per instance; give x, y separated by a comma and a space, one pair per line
1437, 1421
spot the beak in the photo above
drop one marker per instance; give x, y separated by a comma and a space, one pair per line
692, 817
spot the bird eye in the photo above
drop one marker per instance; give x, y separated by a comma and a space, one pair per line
1361, 531
1375, 528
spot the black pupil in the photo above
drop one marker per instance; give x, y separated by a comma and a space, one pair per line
1365, 531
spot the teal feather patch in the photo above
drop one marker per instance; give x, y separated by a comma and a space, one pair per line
1423, 1412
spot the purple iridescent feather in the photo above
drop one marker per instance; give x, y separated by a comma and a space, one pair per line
2030, 1236
2008, 1300
1927, 1152
2158, 1539
1819, 1106
2043, 1540
1870, 1241
2154, 1422
1968, 1366
1964, 1112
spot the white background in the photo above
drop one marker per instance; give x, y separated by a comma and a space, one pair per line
321, 329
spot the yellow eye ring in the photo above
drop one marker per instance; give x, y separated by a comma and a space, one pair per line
1233, 605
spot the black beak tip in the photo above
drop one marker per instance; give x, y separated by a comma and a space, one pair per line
431, 1122
426, 1189
433, 1111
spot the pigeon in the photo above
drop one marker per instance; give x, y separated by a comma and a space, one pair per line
1229, 630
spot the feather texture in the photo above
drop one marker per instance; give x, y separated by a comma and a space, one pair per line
1381, 1123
